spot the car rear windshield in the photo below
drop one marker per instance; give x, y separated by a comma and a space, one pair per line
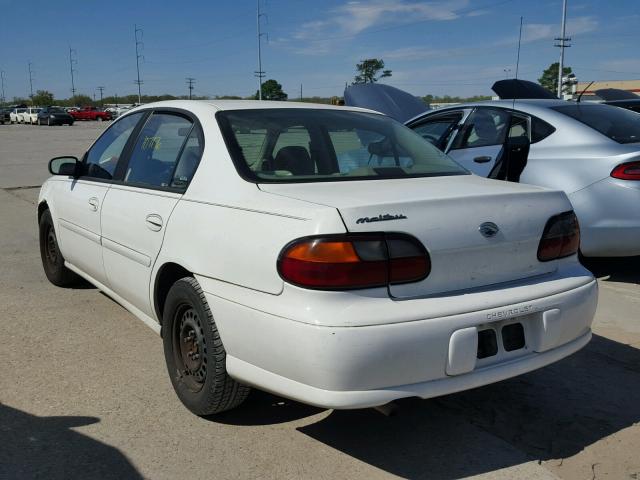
287, 145
618, 124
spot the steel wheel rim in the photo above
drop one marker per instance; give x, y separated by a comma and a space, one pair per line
51, 249
189, 348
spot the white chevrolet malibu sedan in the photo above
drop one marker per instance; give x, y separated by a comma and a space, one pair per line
326, 254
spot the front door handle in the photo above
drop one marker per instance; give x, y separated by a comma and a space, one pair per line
154, 222
93, 204
482, 159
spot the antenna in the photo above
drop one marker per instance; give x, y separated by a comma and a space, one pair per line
72, 61
190, 82
585, 89
513, 105
138, 57
259, 73
562, 39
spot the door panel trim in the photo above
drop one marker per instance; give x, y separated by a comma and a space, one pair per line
127, 252
94, 237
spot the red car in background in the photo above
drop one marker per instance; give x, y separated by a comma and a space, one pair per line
90, 113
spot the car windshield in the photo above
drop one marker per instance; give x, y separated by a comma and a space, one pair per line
56, 110
618, 124
288, 145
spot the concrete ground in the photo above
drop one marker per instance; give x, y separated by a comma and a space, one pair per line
84, 392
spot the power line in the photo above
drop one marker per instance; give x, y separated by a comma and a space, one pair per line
138, 56
31, 82
2, 81
190, 82
562, 39
101, 90
72, 62
260, 73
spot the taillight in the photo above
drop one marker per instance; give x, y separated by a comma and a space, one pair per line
351, 261
627, 171
561, 237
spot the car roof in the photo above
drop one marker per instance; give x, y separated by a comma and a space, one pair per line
533, 106
221, 105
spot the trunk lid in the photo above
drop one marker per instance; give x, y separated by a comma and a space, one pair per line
446, 214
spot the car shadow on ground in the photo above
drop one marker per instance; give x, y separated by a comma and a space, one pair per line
552, 413
620, 269
47, 447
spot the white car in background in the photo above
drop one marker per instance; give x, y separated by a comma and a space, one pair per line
16, 115
31, 115
326, 254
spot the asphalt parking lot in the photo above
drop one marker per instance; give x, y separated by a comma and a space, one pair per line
84, 392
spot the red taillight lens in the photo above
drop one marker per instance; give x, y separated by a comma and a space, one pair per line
561, 237
351, 261
627, 171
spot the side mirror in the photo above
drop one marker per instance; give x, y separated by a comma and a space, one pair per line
67, 166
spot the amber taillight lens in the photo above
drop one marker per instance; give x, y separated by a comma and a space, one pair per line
561, 237
353, 261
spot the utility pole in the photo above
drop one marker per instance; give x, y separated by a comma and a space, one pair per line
300, 92
138, 56
72, 62
2, 79
260, 73
116, 97
101, 90
562, 44
190, 82
31, 83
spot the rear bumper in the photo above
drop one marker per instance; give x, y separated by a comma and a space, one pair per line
356, 367
609, 218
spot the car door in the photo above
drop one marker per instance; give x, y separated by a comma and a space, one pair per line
137, 208
78, 201
479, 143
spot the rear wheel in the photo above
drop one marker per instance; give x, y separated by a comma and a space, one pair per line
52, 259
194, 353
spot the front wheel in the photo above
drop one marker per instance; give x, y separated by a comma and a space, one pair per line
52, 259
194, 353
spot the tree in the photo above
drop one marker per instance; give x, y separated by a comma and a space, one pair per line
368, 69
43, 98
272, 90
549, 78
81, 100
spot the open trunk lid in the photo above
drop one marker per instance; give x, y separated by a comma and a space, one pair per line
447, 214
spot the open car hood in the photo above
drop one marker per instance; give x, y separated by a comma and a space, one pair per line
609, 94
391, 101
521, 89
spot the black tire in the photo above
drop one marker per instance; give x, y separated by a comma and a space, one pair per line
195, 355
52, 259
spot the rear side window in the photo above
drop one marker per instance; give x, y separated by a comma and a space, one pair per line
620, 125
540, 129
157, 150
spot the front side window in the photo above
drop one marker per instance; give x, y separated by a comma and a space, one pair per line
484, 127
438, 130
155, 154
102, 158
620, 125
308, 145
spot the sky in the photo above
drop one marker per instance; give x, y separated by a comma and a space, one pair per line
454, 47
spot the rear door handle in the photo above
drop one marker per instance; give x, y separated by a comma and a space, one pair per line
93, 204
154, 222
483, 159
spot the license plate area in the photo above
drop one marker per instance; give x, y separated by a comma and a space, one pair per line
500, 341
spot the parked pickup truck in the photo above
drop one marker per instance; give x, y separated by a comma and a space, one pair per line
90, 113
